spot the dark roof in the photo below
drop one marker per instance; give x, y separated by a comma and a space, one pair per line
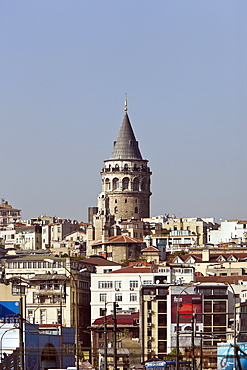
48, 277
122, 319
126, 146
221, 279
132, 270
100, 261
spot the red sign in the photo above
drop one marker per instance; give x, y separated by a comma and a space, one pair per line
186, 305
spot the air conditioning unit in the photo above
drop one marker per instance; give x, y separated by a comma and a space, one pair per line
150, 338
149, 351
117, 289
131, 288
150, 324
149, 312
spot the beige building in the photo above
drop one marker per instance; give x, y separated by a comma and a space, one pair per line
8, 214
55, 290
57, 231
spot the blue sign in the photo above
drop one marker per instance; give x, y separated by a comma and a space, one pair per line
225, 356
9, 311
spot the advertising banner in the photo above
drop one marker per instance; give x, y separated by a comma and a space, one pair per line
225, 356
186, 305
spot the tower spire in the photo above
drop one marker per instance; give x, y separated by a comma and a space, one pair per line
125, 103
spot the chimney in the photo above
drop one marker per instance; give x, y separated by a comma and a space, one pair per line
205, 255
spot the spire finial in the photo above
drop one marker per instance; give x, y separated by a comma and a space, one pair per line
125, 103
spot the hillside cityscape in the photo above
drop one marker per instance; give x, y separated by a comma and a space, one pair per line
122, 290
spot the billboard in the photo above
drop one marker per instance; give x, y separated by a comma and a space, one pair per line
186, 305
225, 356
9, 311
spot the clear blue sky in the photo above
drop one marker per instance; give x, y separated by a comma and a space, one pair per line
65, 66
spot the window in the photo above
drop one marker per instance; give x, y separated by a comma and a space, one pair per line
118, 297
102, 312
105, 284
102, 297
118, 284
133, 284
115, 184
125, 201
146, 282
125, 183
136, 209
30, 316
35, 298
43, 316
107, 184
18, 289
135, 184
133, 297
115, 200
116, 210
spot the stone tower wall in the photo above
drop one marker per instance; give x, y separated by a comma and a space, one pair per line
125, 189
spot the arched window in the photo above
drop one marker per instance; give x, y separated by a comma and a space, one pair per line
125, 183
144, 184
126, 167
107, 184
116, 167
116, 210
115, 183
135, 184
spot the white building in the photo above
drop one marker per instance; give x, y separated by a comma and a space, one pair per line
228, 231
123, 286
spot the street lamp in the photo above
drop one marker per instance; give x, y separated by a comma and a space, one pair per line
76, 306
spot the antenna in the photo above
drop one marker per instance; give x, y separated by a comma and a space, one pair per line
125, 103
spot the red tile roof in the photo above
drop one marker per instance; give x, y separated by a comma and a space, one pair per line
119, 239
220, 279
131, 270
150, 249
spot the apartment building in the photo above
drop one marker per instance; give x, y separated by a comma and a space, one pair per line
56, 290
8, 214
172, 315
123, 286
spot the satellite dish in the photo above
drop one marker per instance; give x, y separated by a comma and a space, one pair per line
157, 282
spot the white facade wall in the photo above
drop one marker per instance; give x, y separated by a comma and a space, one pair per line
228, 230
124, 287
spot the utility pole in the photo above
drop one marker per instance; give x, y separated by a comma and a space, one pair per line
193, 341
21, 335
105, 340
177, 338
115, 305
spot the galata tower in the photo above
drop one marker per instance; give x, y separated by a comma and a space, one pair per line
125, 178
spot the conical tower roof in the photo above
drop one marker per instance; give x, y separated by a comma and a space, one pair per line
126, 146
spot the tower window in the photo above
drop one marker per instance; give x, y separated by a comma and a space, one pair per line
135, 184
107, 184
136, 209
136, 201
115, 200
125, 183
126, 167
125, 200
116, 210
115, 183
